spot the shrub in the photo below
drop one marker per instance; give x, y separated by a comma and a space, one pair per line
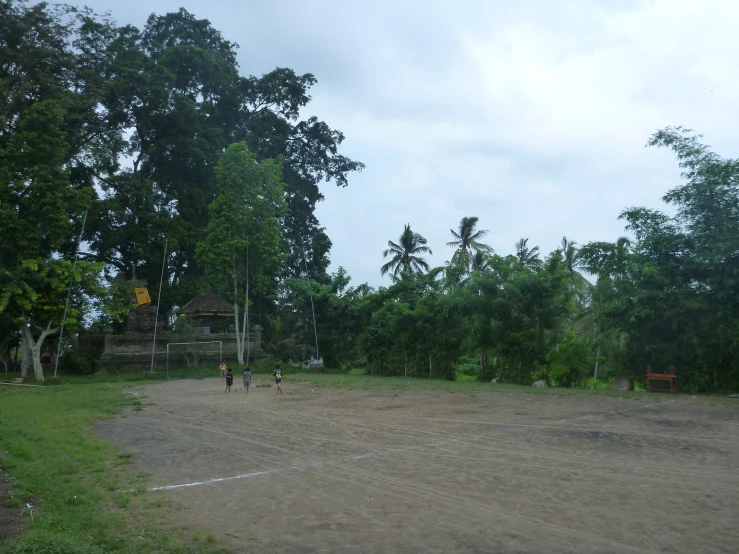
568, 361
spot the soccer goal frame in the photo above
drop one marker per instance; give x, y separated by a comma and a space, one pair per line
218, 342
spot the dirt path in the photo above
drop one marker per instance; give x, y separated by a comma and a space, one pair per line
335, 470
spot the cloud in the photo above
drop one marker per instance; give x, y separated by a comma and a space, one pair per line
531, 115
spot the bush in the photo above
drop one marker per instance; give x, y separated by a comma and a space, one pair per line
595, 384
80, 361
568, 361
468, 365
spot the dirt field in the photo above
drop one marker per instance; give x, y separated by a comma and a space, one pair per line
336, 470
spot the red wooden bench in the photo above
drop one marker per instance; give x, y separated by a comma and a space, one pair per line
669, 377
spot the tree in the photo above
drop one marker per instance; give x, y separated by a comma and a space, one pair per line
243, 232
606, 259
175, 86
406, 253
467, 242
527, 256
568, 361
673, 289
571, 260
36, 200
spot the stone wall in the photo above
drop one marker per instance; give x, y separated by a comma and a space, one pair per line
132, 351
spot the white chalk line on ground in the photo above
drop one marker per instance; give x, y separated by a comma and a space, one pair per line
235, 477
209, 481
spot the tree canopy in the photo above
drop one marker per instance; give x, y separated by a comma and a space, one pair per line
405, 254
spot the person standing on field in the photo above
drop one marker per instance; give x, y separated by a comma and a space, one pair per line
229, 380
222, 369
247, 378
278, 378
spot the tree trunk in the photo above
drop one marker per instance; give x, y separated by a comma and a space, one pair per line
429, 365
405, 353
597, 359
26, 356
239, 346
245, 335
35, 348
482, 363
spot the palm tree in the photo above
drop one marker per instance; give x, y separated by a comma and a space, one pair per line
570, 256
527, 256
467, 242
405, 254
621, 252
480, 261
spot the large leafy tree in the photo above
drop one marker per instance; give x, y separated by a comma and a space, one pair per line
175, 85
674, 289
467, 242
405, 255
36, 199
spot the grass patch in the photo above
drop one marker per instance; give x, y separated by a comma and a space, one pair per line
74, 480
464, 377
364, 381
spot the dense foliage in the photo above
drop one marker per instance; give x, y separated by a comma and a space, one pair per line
156, 135
128, 125
667, 297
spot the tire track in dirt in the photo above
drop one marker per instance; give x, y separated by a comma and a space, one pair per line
417, 492
413, 492
522, 457
330, 436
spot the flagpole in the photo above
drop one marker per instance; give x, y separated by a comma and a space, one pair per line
69, 294
159, 300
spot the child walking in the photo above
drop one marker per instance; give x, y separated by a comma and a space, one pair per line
229, 381
278, 378
247, 379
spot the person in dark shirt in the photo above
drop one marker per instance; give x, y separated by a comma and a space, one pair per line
278, 378
229, 381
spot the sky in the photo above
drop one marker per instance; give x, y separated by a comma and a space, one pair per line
531, 115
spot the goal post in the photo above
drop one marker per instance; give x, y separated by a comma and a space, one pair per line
218, 342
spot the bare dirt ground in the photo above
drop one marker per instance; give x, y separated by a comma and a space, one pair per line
336, 470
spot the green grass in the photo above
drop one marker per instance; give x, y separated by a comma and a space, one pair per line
73, 479
466, 385
160, 374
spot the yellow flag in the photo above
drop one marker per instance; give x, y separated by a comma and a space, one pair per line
142, 297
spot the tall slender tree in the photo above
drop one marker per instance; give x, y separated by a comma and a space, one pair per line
467, 242
405, 254
244, 228
572, 261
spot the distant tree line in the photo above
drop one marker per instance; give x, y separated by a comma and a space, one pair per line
667, 296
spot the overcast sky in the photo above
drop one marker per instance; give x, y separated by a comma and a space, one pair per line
531, 115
